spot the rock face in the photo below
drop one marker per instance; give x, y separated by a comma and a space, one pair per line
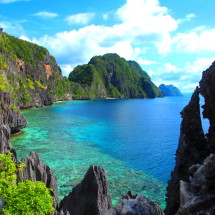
36, 170
9, 115
191, 189
170, 90
112, 76
30, 74
90, 197
192, 149
198, 195
135, 205
207, 89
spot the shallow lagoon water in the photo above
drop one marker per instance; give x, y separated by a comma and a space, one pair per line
133, 139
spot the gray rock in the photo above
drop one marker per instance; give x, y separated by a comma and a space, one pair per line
192, 149
8, 116
90, 197
198, 195
139, 205
36, 170
1, 204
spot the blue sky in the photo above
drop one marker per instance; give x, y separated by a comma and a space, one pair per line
172, 40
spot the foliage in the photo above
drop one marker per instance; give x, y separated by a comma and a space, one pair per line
4, 84
30, 83
23, 90
112, 76
40, 85
27, 51
24, 198
3, 65
82, 75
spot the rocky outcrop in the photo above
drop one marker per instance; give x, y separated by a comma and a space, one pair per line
192, 149
90, 197
31, 74
36, 170
9, 115
207, 89
198, 195
135, 205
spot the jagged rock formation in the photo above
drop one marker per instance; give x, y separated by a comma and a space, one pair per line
9, 114
198, 195
192, 149
30, 74
207, 89
170, 90
112, 76
90, 197
196, 189
36, 170
135, 205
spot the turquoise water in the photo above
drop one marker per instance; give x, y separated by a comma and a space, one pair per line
133, 139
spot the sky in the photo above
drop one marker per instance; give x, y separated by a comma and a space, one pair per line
173, 41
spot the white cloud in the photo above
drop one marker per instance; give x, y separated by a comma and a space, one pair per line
132, 36
13, 27
24, 38
187, 18
10, 1
193, 42
186, 77
146, 62
66, 69
45, 14
80, 19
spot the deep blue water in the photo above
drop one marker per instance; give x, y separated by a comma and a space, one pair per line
133, 139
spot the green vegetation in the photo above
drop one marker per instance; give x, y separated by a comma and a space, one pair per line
40, 85
112, 76
23, 90
4, 85
26, 197
3, 65
30, 83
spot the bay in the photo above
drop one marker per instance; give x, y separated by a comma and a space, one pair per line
134, 140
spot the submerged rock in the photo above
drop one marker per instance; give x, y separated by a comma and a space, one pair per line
135, 205
90, 197
192, 149
198, 195
36, 170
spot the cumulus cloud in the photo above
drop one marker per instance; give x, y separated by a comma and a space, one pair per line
193, 42
186, 77
80, 19
10, 1
66, 69
45, 14
141, 23
146, 62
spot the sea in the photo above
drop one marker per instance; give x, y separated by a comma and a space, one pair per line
134, 140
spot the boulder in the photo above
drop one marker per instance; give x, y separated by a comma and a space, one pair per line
135, 205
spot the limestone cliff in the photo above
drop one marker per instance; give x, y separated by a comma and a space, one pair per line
112, 76
191, 190
30, 73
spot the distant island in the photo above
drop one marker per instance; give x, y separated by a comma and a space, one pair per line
170, 90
